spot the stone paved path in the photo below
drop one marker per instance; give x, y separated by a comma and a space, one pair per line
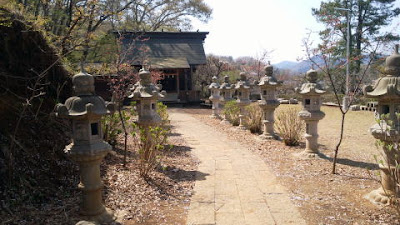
233, 185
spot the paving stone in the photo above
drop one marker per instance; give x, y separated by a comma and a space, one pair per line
233, 185
229, 218
201, 213
257, 213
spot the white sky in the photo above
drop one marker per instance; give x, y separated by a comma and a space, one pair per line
245, 28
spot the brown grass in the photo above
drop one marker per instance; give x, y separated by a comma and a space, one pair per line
358, 143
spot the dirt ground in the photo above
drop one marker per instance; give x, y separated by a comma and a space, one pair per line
163, 199
323, 198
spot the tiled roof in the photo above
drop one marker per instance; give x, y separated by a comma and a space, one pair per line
165, 45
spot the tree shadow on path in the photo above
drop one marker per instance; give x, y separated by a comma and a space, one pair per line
179, 174
184, 175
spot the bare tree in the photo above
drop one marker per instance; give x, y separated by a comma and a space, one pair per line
165, 14
204, 73
329, 67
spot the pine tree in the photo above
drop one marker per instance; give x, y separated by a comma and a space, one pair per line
367, 19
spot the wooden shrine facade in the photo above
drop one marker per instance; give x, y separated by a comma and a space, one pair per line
175, 54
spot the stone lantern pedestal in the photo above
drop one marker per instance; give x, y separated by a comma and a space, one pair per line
243, 98
226, 90
215, 97
387, 92
88, 148
268, 102
311, 113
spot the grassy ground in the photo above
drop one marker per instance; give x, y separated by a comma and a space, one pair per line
358, 144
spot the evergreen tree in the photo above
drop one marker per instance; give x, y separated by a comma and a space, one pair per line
367, 19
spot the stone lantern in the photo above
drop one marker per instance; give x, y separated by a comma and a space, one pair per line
311, 113
268, 102
243, 97
215, 97
387, 92
226, 95
87, 148
146, 95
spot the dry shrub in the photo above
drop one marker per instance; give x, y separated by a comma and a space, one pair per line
151, 142
231, 111
254, 117
288, 125
150, 148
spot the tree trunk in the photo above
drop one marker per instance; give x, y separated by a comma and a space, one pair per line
360, 24
339, 143
87, 36
125, 132
37, 8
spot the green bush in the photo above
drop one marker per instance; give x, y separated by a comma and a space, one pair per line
112, 127
231, 111
254, 118
288, 125
165, 122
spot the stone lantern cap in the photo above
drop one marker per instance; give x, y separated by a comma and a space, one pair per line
226, 85
214, 84
85, 103
392, 63
144, 88
311, 87
242, 83
268, 79
389, 85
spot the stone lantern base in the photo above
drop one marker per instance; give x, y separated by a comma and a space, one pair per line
268, 121
384, 195
269, 136
306, 154
215, 110
215, 116
241, 123
311, 135
242, 116
379, 197
268, 131
91, 208
107, 217
225, 121
311, 150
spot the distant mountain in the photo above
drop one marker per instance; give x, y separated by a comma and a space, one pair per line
299, 67
285, 65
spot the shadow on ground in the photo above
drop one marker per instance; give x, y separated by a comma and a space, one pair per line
183, 175
174, 134
352, 163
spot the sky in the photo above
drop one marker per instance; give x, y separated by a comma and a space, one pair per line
247, 28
